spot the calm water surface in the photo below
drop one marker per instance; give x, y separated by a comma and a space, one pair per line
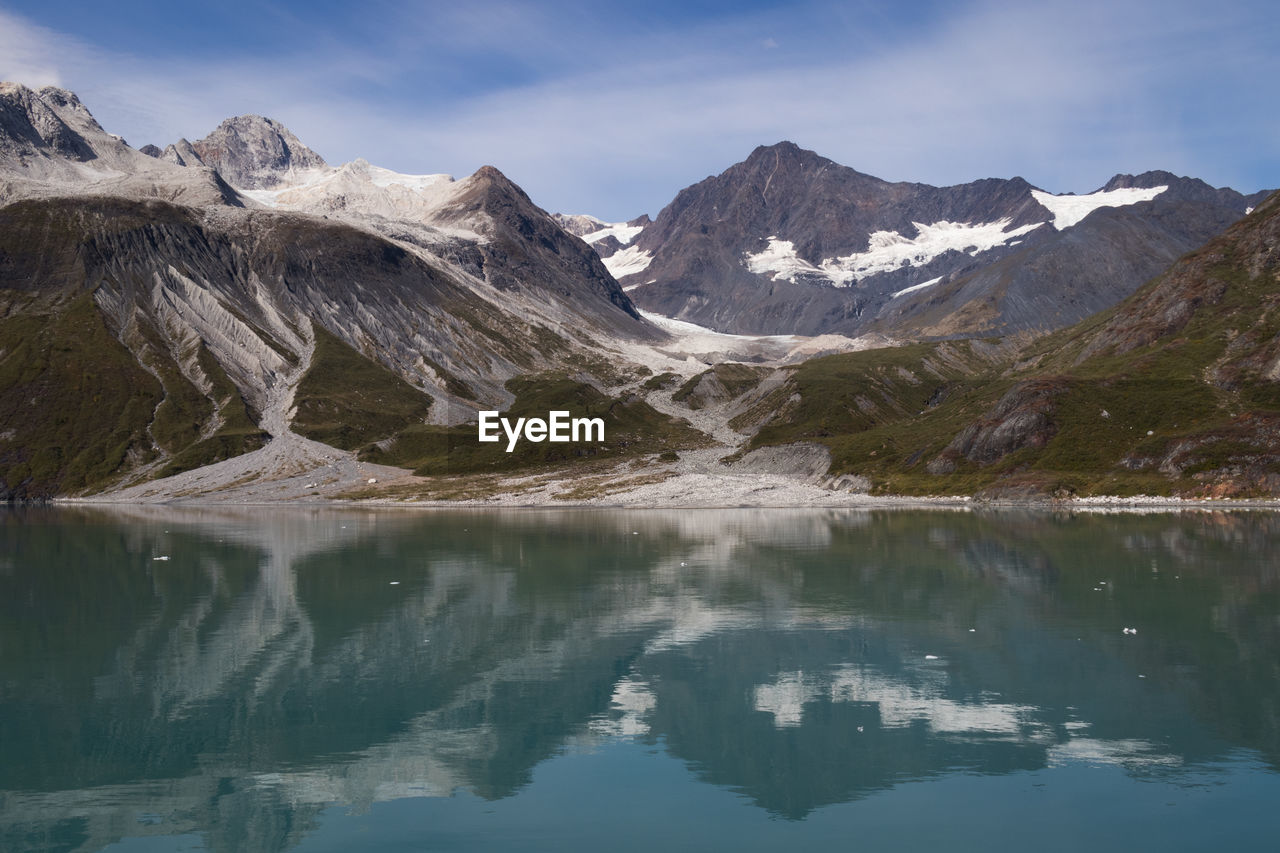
321, 680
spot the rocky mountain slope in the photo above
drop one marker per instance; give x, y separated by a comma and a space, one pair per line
154, 317
249, 152
1174, 391
791, 242
50, 145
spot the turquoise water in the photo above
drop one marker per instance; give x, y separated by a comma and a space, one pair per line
320, 680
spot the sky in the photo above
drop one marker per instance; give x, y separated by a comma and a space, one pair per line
612, 108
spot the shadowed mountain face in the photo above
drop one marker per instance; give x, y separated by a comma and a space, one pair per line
790, 242
277, 663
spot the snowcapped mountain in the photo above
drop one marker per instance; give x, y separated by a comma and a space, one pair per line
196, 299
791, 242
51, 145
483, 224
250, 152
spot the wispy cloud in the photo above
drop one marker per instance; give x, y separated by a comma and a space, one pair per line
611, 112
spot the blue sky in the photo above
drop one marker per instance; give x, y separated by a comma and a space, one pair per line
611, 108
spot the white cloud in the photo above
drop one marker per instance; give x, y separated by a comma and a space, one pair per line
613, 117
24, 52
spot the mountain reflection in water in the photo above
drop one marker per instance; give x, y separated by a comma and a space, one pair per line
279, 662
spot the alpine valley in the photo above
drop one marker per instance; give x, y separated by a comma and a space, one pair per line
235, 319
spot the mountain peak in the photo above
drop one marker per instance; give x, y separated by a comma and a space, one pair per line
61, 97
489, 183
1146, 180
490, 173
785, 145
51, 120
254, 152
784, 151
1183, 189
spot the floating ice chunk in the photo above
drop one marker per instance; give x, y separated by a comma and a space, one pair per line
930, 657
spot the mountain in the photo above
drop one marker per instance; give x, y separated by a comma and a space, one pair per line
1174, 391
250, 152
235, 316
156, 317
484, 224
791, 242
50, 145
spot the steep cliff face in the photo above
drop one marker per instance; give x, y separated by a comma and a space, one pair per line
790, 242
526, 249
251, 152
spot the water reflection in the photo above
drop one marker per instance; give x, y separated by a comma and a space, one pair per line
170, 671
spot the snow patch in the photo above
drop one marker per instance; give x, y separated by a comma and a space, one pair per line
685, 328
887, 251
361, 188
621, 230
381, 177
295, 179
693, 348
1068, 210
921, 286
628, 261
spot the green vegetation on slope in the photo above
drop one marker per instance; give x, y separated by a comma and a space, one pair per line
347, 400
632, 428
74, 403
238, 432
78, 411
726, 381
1175, 391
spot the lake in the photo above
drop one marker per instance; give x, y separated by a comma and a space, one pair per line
336, 680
